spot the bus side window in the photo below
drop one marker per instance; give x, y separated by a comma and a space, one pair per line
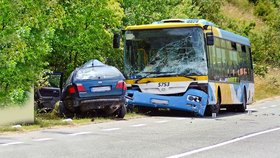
223, 43
228, 45
251, 65
212, 62
217, 42
245, 63
241, 63
219, 63
248, 64
235, 63
243, 48
233, 46
224, 65
238, 46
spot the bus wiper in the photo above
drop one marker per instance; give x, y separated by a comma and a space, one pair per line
193, 78
148, 74
178, 75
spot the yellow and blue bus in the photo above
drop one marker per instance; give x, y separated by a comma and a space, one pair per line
188, 65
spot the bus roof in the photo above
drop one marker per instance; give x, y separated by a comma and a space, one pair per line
178, 23
163, 26
234, 37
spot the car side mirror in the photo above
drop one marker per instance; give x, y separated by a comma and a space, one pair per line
210, 38
116, 40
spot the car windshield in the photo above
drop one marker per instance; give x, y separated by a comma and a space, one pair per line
174, 51
94, 73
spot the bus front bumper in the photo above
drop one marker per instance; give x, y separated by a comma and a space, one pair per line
193, 101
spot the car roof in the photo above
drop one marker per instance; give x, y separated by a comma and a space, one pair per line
98, 67
93, 63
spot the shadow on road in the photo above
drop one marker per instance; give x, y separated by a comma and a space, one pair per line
174, 113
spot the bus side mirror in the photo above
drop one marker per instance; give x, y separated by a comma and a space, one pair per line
116, 40
210, 38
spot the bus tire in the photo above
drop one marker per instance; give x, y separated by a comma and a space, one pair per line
231, 108
242, 107
214, 108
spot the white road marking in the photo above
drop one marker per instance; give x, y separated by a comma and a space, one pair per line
273, 106
138, 125
42, 139
110, 129
163, 121
12, 143
223, 143
180, 118
79, 133
264, 107
251, 109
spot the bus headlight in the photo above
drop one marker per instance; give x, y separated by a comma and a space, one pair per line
194, 98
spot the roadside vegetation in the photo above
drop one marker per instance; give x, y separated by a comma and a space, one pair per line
58, 35
52, 120
267, 86
261, 17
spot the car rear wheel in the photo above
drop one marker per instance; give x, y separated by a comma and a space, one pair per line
121, 112
63, 111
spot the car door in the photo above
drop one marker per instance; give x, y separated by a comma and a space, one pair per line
48, 95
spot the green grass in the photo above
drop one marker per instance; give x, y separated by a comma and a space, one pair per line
51, 120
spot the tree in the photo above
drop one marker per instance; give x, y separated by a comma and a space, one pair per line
146, 12
26, 30
85, 33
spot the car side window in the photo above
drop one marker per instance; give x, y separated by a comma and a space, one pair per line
68, 81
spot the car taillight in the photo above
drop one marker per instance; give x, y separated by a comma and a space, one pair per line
71, 90
121, 85
81, 88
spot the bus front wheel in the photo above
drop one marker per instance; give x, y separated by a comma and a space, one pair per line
213, 108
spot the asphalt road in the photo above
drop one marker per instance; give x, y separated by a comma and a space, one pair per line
252, 135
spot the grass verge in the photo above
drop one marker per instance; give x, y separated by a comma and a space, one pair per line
51, 120
268, 86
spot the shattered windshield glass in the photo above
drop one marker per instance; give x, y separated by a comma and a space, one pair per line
175, 51
95, 73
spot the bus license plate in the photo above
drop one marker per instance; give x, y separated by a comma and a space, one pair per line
158, 101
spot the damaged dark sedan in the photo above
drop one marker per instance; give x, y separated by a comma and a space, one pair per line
94, 87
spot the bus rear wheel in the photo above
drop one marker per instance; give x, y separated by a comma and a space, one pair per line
242, 107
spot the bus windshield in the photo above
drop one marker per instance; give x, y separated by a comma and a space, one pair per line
171, 51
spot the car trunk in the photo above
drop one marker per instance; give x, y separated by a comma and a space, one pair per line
99, 88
